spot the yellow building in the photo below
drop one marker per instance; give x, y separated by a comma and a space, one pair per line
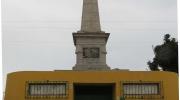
91, 78
92, 85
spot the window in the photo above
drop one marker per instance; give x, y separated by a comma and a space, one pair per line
90, 52
46, 89
142, 90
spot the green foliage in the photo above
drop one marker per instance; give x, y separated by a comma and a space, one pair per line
166, 56
122, 98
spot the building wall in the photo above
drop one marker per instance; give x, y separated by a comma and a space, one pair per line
17, 82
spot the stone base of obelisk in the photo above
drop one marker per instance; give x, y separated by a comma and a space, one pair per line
91, 67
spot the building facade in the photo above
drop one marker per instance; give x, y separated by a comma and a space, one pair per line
92, 85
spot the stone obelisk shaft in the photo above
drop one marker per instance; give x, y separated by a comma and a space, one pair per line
90, 17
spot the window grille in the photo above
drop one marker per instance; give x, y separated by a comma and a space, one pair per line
47, 89
142, 90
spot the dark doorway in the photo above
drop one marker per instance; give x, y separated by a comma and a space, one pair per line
93, 91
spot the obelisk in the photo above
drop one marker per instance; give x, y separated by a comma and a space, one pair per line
90, 16
90, 41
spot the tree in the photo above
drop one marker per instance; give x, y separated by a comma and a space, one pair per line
166, 56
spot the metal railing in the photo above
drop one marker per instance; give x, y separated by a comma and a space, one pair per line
46, 89
142, 90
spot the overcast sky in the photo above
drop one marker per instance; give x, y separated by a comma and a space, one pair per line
37, 34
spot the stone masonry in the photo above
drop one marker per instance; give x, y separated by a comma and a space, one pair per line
90, 41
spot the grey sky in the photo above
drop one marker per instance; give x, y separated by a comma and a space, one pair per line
37, 34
